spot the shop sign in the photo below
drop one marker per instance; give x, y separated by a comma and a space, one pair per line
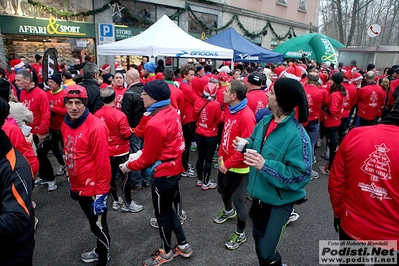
256, 40
48, 27
122, 32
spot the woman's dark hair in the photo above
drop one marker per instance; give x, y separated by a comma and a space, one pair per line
338, 87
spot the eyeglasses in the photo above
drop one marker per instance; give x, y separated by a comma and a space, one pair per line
144, 94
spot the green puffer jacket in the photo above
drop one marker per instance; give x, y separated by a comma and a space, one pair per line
288, 166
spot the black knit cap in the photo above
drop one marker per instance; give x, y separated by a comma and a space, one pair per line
290, 94
4, 111
337, 78
158, 90
56, 77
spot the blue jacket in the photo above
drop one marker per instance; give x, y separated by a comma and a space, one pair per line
288, 166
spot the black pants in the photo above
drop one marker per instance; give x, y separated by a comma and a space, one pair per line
268, 225
164, 190
331, 133
189, 136
56, 140
45, 168
99, 227
233, 188
365, 122
126, 182
206, 147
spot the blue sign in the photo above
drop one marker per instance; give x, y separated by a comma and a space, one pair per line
106, 32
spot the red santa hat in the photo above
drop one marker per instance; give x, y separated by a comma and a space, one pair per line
293, 72
278, 70
323, 77
348, 76
105, 67
16, 64
357, 76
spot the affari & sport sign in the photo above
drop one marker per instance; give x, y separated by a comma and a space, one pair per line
197, 54
46, 27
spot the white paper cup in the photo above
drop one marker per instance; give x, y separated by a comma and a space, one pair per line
251, 151
241, 144
26, 130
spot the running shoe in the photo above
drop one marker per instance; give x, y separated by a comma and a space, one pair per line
211, 185
224, 216
293, 216
159, 258
186, 252
236, 240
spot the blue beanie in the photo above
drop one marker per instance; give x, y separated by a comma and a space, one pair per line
150, 67
158, 90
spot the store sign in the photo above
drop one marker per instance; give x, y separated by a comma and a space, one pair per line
256, 40
48, 27
122, 32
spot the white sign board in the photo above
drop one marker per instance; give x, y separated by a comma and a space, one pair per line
106, 33
374, 30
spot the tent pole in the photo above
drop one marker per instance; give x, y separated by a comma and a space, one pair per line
232, 65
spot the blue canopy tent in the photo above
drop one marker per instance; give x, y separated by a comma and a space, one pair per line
244, 50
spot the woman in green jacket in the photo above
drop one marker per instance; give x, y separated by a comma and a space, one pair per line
280, 153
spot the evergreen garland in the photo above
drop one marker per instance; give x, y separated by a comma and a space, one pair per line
291, 31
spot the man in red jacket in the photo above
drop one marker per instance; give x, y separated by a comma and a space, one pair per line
118, 147
56, 101
239, 121
163, 149
363, 183
88, 166
36, 101
371, 99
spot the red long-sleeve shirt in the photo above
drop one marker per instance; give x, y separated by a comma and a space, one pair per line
363, 183
209, 115
371, 99
350, 99
163, 140
239, 124
190, 97
19, 142
87, 156
315, 97
118, 128
119, 92
257, 100
58, 111
36, 101
335, 103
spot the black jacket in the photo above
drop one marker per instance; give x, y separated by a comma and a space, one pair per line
132, 104
16, 211
93, 93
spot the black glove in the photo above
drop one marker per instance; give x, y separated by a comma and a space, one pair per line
74, 195
337, 224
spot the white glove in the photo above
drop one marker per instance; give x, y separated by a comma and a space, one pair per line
135, 156
124, 167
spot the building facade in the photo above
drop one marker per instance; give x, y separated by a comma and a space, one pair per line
71, 26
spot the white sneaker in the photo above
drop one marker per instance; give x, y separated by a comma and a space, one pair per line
315, 175
132, 207
211, 185
293, 216
62, 170
199, 183
116, 205
52, 185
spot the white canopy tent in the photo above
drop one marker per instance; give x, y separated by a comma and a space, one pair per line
165, 38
